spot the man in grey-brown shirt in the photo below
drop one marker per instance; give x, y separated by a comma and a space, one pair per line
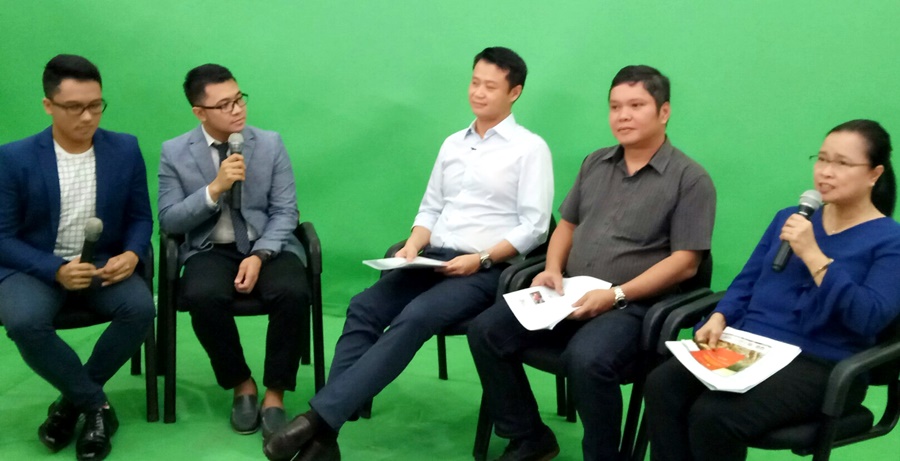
640, 216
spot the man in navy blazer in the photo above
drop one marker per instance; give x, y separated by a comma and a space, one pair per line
236, 243
51, 184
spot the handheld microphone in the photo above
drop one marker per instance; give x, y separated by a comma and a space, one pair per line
236, 143
92, 230
810, 201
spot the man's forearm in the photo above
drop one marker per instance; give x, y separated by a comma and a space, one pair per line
559, 247
676, 268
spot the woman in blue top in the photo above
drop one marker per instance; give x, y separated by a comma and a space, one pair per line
838, 291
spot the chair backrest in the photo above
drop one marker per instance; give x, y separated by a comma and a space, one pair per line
888, 373
542, 248
703, 277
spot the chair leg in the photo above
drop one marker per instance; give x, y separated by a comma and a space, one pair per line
305, 327
640, 442
136, 363
169, 369
442, 356
825, 439
632, 417
482, 433
152, 383
560, 395
570, 403
317, 335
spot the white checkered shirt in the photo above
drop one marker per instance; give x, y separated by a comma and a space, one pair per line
77, 199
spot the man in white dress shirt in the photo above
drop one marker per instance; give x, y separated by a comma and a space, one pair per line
488, 200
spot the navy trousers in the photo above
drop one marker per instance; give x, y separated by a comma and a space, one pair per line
413, 305
597, 356
27, 308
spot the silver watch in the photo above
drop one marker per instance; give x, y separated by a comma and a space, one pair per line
621, 301
486, 261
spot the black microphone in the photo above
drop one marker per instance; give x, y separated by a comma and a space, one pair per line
810, 201
92, 230
236, 143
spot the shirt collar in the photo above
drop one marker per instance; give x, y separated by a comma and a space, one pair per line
658, 162
209, 139
505, 128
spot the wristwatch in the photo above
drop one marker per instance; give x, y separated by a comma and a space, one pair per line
486, 261
263, 255
621, 302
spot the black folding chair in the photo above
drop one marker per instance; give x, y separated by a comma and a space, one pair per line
244, 305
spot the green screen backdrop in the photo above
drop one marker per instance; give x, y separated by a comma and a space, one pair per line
364, 92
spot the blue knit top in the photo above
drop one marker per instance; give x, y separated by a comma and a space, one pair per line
859, 295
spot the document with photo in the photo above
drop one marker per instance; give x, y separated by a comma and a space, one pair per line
385, 264
539, 308
740, 361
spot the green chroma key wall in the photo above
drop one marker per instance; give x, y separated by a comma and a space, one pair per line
364, 92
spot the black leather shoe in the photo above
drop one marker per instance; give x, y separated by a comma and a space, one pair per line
58, 429
540, 447
284, 444
320, 449
94, 442
245, 414
273, 420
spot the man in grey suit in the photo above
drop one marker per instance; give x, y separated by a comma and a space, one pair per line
238, 242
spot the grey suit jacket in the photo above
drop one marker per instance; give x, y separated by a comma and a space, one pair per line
268, 198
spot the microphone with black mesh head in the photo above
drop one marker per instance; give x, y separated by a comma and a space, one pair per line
92, 230
810, 201
236, 143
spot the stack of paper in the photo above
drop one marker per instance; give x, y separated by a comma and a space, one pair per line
539, 308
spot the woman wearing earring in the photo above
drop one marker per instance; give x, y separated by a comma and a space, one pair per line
838, 291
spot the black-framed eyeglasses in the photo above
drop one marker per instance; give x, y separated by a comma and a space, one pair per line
75, 110
228, 106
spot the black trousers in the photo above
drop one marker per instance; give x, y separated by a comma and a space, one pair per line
687, 421
207, 292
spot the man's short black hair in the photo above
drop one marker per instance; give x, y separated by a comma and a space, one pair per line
197, 78
654, 82
506, 59
64, 66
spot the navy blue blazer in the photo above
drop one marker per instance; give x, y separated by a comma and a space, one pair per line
30, 202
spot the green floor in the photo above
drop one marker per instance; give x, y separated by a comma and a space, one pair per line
418, 417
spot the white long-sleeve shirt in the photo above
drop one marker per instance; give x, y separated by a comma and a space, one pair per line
483, 191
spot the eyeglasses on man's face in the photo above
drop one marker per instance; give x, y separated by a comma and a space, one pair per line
75, 110
228, 106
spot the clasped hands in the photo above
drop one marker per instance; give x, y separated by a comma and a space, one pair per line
76, 275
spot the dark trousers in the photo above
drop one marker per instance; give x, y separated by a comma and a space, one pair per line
414, 305
597, 355
208, 293
27, 308
687, 421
